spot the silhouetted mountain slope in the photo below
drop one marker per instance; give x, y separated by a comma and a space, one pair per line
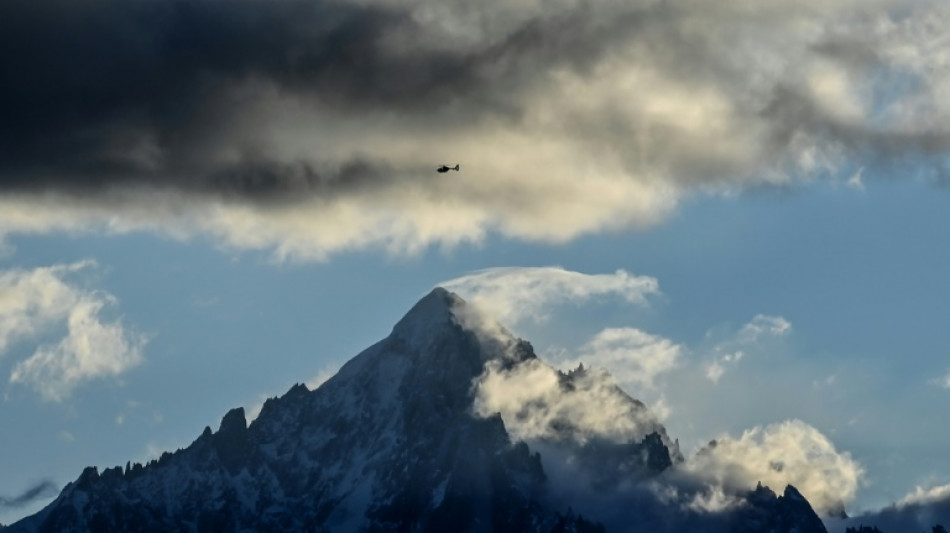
392, 443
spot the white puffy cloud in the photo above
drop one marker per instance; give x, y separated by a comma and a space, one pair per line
514, 294
31, 301
535, 404
943, 381
36, 302
856, 181
631, 355
790, 452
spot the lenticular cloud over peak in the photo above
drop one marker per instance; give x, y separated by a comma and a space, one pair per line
308, 128
517, 294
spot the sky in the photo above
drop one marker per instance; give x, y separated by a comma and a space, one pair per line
737, 208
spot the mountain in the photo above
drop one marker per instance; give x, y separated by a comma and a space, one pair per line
402, 438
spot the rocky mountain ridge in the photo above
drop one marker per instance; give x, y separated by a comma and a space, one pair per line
392, 443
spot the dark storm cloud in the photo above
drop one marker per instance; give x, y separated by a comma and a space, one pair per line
96, 94
43, 489
268, 179
84, 83
102, 93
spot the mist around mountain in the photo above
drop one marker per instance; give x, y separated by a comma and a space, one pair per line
924, 514
448, 424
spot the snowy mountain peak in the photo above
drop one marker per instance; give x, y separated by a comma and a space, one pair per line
443, 316
433, 311
415, 434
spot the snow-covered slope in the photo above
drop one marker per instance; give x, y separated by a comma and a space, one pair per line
399, 440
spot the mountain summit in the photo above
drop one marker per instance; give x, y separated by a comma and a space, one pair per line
434, 428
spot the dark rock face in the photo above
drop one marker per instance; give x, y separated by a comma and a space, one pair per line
768, 512
938, 528
388, 444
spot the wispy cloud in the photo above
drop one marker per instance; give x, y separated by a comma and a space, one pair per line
566, 118
34, 302
714, 371
515, 294
322, 376
761, 326
43, 489
942, 381
856, 181
730, 352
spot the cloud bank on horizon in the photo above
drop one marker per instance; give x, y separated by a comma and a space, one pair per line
313, 127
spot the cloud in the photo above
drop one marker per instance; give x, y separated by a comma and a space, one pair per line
761, 326
714, 500
515, 294
943, 381
632, 356
716, 368
322, 376
309, 128
856, 181
43, 489
919, 510
538, 402
35, 302
750, 336
925, 496
827, 381
790, 452
714, 371
560, 413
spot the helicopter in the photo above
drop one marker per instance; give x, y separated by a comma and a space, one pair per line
445, 168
